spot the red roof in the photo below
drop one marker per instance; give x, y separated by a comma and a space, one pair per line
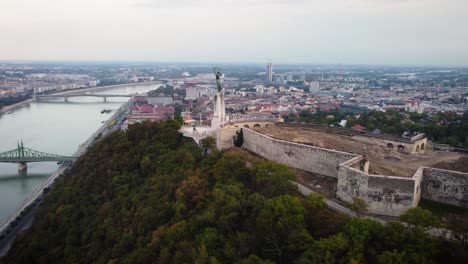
359, 127
188, 119
146, 108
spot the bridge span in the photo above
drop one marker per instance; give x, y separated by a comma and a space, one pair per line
23, 155
66, 96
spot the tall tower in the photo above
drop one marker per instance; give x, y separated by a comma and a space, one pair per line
269, 72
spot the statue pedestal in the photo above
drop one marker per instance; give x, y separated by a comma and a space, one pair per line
22, 167
219, 115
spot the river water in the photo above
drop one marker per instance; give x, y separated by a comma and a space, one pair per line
54, 127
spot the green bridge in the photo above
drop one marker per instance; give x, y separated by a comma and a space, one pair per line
24, 155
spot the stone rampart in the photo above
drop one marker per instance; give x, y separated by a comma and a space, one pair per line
225, 137
444, 186
309, 158
384, 195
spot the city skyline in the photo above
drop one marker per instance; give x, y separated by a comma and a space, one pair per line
384, 32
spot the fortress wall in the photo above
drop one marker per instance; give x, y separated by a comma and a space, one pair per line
249, 124
444, 186
225, 138
418, 146
352, 182
385, 195
313, 159
391, 195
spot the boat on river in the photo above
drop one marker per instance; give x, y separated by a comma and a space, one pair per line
105, 111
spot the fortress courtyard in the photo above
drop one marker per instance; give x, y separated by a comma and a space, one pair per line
383, 161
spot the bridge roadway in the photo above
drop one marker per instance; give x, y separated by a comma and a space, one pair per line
30, 204
66, 96
24, 155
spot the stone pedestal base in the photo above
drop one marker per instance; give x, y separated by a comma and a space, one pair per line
22, 167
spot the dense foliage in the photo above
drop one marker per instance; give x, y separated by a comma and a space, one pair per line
5, 101
167, 90
447, 128
150, 196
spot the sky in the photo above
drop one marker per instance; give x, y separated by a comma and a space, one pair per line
411, 32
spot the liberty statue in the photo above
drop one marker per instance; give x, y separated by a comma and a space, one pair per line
218, 75
219, 115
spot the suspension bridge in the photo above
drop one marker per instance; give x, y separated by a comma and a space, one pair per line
24, 155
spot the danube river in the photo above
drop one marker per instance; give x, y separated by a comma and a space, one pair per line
54, 127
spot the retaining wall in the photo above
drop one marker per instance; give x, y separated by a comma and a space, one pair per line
225, 137
444, 186
385, 195
309, 158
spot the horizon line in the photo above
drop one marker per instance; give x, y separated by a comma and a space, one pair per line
22, 61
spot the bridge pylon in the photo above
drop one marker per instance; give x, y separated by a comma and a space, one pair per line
22, 166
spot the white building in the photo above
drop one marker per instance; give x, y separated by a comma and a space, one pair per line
192, 93
314, 87
161, 100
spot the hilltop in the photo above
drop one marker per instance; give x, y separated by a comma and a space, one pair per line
149, 195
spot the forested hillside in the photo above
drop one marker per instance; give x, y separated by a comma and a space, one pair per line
151, 196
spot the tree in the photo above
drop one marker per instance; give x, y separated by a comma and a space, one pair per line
281, 225
208, 144
458, 224
272, 178
316, 200
239, 138
418, 217
359, 206
328, 251
179, 119
392, 257
253, 259
360, 233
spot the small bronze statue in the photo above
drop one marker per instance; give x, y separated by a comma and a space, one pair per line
218, 75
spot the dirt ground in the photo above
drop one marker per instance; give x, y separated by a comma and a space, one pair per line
460, 165
382, 160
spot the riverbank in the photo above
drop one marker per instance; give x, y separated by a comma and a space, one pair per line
16, 221
13, 107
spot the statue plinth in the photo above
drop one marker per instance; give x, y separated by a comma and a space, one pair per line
219, 115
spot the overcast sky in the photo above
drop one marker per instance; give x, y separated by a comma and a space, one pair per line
433, 32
